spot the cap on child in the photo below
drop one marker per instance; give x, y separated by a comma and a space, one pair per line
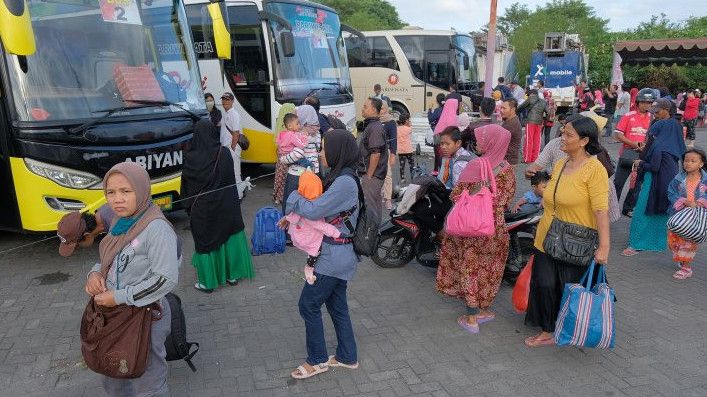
310, 186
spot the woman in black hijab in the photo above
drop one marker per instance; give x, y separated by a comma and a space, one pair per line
221, 247
337, 261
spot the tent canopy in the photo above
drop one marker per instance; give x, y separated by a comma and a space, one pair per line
663, 52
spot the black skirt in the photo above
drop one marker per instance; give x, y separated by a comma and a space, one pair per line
547, 283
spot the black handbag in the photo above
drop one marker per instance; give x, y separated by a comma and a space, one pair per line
627, 158
569, 242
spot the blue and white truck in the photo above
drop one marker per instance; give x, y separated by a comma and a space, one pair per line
561, 65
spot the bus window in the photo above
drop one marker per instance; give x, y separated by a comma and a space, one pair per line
382, 54
248, 75
414, 49
356, 52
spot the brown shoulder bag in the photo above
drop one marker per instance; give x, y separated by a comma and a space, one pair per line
115, 341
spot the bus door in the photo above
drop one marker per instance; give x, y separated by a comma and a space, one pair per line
438, 75
249, 75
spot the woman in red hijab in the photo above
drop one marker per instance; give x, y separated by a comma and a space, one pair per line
471, 268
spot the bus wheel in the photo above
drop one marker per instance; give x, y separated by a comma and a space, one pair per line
398, 109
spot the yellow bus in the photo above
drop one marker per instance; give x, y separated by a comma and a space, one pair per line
88, 84
286, 50
412, 66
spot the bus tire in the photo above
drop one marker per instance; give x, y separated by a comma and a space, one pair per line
398, 109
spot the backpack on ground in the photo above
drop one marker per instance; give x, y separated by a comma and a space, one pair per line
176, 343
335, 122
364, 235
267, 237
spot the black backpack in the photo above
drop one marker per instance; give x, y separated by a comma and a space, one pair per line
335, 123
176, 343
364, 235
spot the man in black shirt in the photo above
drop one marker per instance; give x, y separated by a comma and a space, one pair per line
610, 98
373, 166
511, 122
486, 108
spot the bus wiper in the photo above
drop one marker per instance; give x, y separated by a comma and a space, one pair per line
341, 87
83, 127
315, 90
140, 105
194, 116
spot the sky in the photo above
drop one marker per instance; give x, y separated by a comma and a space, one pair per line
470, 15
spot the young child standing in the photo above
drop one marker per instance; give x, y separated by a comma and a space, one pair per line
688, 189
533, 198
307, 235
405, 145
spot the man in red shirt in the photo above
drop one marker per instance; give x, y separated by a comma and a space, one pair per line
631, 131
689, 116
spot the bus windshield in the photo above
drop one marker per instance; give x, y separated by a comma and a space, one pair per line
319, 65
95, 55
466, 43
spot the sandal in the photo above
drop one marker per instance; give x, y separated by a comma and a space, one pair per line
202, 288
484, 319
462, 321
332, 362
683, 274
232, 283
629, 252
301, 371
535, 341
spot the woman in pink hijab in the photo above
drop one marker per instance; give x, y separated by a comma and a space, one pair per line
471, 268
446, 119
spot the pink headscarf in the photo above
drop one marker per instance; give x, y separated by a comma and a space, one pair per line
493, 141
448, 116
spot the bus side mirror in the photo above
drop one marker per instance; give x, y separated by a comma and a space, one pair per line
221, 35
16, 28
287, 41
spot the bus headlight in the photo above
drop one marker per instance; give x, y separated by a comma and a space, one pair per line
63, 176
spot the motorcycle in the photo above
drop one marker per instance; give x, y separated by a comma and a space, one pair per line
404, 238
521, 227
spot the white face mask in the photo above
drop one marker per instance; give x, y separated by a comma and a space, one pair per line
210, 105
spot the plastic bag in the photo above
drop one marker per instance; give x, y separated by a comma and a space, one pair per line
522, 287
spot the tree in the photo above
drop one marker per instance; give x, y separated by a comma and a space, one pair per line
571, 16
514, 16
366, 14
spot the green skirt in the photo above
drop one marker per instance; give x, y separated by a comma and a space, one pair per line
231, 261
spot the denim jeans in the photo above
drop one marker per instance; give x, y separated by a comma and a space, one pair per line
329, 291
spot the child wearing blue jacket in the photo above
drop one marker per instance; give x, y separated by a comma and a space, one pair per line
687, 189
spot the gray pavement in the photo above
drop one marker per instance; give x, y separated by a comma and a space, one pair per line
409, 343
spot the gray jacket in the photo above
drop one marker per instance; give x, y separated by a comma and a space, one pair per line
338, 261
147, 268
536, 106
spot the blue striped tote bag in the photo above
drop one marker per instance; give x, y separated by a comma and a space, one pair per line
690, 223
586, 317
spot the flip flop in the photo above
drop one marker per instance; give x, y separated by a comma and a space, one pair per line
303, 374
474, 329
200, 287
484, 319
629, 252
534, 341
333, 362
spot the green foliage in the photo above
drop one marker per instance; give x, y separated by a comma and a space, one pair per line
571, 16
366, 14
526, 30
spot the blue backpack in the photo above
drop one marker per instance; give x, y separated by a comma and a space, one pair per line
267, 238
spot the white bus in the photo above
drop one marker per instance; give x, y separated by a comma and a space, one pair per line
283, 51
412, 66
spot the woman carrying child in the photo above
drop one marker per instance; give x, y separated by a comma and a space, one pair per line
687, 189
337, 262
308, 122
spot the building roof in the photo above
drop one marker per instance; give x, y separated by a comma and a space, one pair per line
663, 51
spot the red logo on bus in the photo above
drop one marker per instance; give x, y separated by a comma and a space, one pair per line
393, 79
